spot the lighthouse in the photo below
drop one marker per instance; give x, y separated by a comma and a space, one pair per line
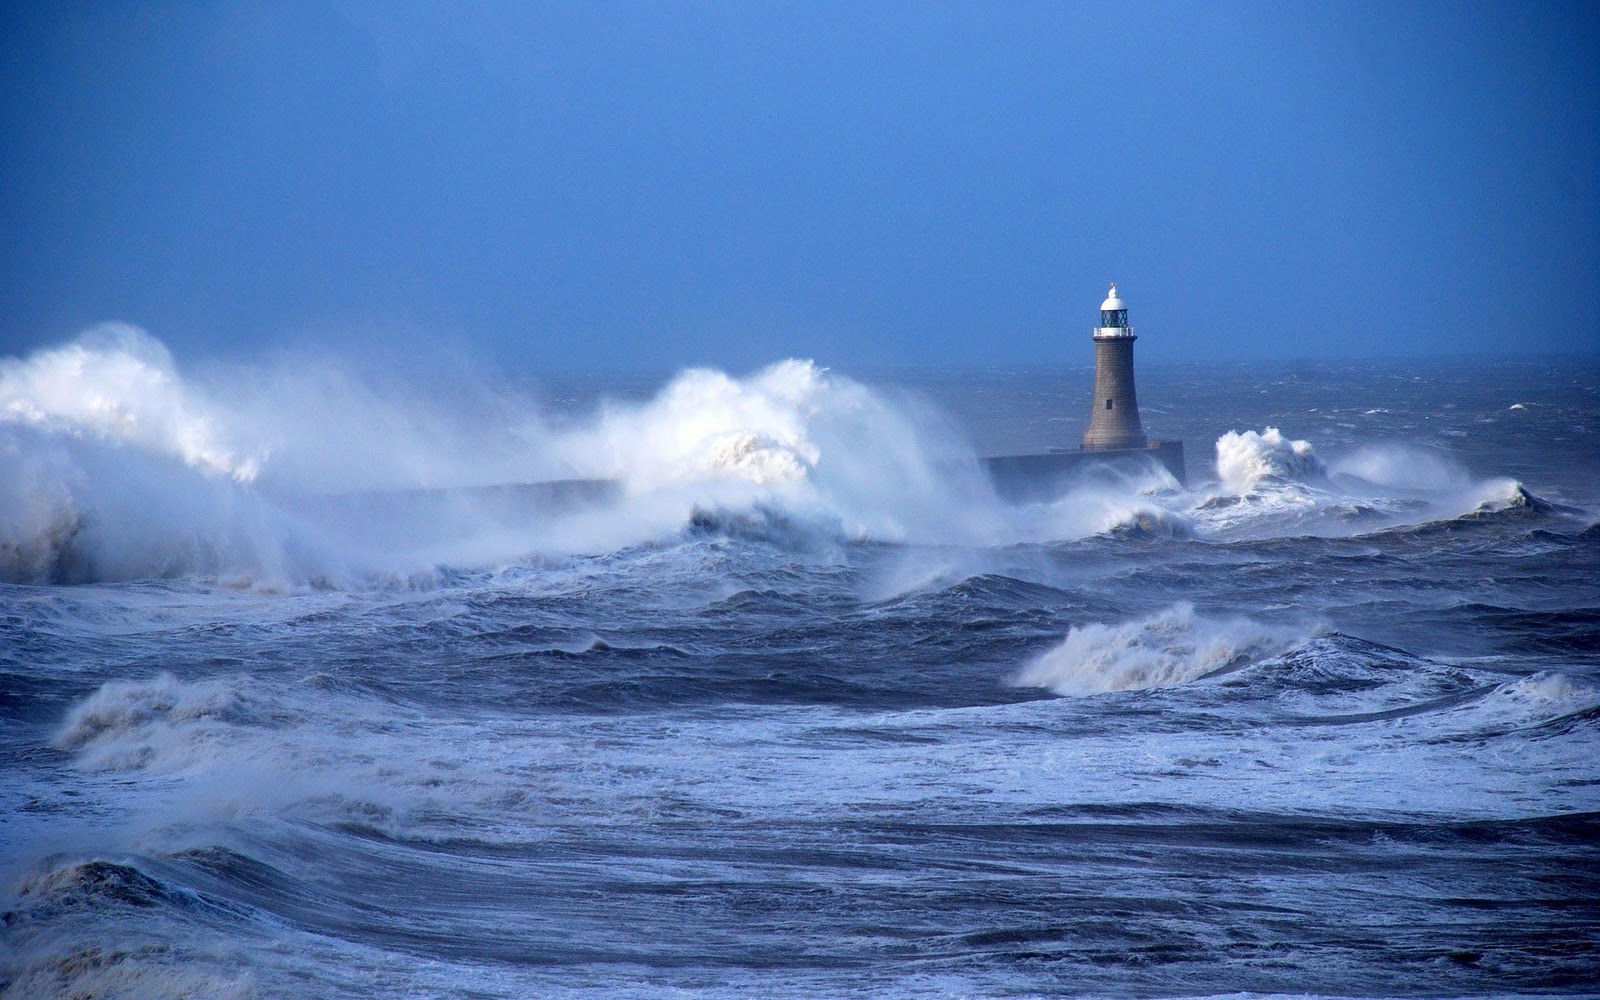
1115, 441
1114, 418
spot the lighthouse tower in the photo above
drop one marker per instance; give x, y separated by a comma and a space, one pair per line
1115, 438
1114, 420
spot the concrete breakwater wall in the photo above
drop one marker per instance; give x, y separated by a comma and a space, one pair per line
1016, 478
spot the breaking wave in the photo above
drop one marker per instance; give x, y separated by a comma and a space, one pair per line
1275, 486
114, 466
1245, 458
240, 745
118, 383
161, 722
1172, 647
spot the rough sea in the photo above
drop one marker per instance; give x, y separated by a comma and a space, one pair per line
795, 706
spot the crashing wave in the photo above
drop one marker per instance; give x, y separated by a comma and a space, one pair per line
708, 425
1245, 458
791, 436
118, 383
40, 519
84, 511
1510, 495
113, 467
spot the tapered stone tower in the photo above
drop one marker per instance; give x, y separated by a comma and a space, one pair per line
1114, 420
1115, 442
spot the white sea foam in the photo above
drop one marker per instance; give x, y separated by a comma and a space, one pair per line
119, 383
1244, 458
1536, 699
1172, 647
162, 723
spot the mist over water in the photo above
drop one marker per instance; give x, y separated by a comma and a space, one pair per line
300, 700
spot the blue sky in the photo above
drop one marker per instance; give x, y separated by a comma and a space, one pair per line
642, 186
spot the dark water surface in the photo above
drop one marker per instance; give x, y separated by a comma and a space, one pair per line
1325, 722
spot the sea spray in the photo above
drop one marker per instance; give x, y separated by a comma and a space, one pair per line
39, 515
119, 383
337, 425
81, 509
120, 468
1400, 466
796, 435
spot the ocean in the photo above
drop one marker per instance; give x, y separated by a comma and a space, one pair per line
795, 706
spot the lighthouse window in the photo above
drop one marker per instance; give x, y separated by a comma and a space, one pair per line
1113, 317
1108, 404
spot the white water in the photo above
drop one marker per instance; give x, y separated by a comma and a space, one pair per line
1173, 647
710, 758
119, 384
116, 464
1245, 458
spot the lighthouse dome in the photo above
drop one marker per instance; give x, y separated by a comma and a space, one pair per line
1113, 301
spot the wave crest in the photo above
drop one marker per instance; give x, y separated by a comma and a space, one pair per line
1172, 647
1538, 699
1245, 458
132, 725
119, 383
